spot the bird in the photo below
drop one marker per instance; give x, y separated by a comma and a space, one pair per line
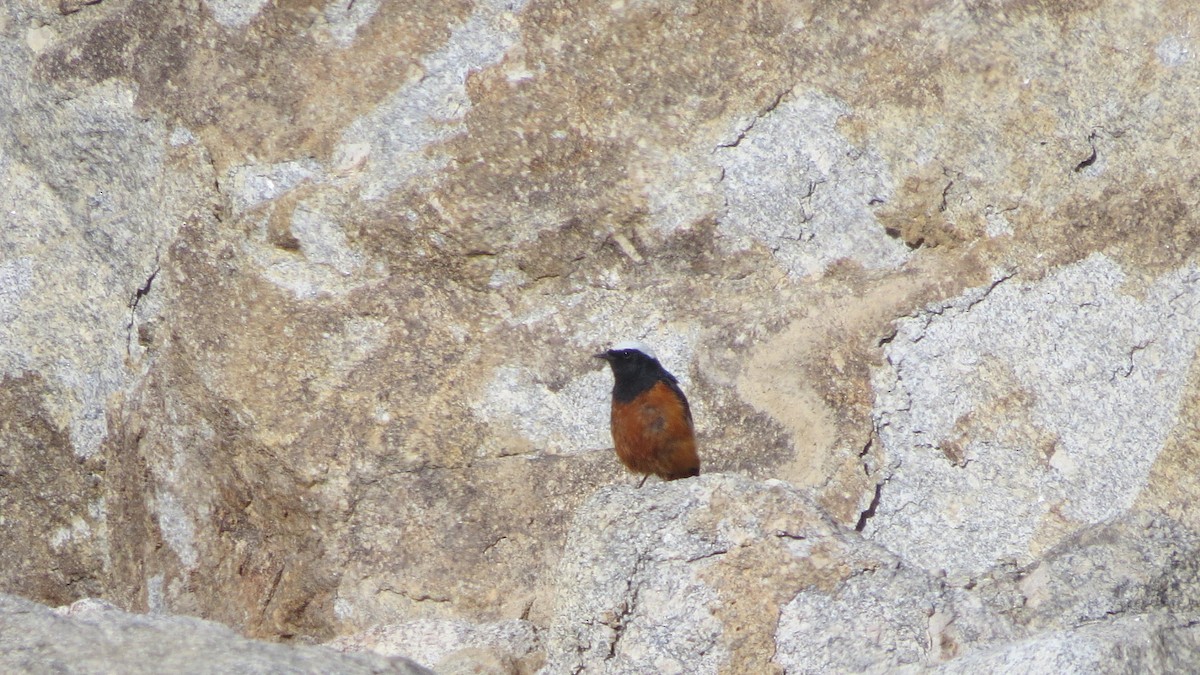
651, 420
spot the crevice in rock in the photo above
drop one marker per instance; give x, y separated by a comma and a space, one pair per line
1127, 370
741, 135
139, 293
266, 605
999, 280
1091, 159
870, 512
493, 545
862, 454
618, 624
221, 206
144, 290
620, 618
423, 597
928, 312
706, 556
68, 7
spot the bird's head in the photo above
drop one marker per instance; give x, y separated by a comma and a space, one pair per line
629, 358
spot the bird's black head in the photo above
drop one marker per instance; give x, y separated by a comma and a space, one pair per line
635, 369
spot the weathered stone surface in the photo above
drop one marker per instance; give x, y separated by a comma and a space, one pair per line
1135, 643
92, 636
726, 574
297, 302
979, 393
450, 646
42, 481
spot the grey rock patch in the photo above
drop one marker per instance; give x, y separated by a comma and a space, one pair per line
177, 528
235, 13
563, 421
978, 393
438, 642
93, 636
648, 576
390, 143
1152, 643
794, 184
1174, 51
16, 278
344, 18
251, 185
1139, 563
630, 599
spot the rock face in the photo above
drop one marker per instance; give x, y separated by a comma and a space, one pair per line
728, 573
297, 302
94, 637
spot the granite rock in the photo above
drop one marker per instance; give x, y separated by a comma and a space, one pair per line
92, 636
297, 303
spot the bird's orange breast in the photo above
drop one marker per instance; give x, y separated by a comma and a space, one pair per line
653, 434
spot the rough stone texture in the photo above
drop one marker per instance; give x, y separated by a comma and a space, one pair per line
723, 574
796, 185
1136, 643
93, 636
980, 393
297, 302
451, 646
42, 481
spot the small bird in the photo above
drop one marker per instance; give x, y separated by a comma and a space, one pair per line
651, 420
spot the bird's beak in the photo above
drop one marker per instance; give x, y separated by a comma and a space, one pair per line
602, 355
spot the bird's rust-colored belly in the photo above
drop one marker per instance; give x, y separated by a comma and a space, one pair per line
653, 434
